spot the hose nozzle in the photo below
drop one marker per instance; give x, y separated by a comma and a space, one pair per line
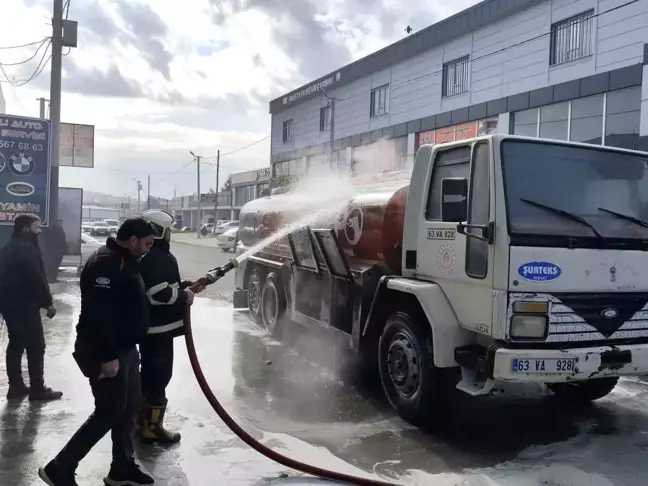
217, 273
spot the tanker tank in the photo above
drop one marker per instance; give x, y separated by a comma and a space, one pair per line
369, 228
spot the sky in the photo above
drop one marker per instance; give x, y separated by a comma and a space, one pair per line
158, 79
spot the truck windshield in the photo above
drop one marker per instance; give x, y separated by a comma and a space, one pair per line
554, 189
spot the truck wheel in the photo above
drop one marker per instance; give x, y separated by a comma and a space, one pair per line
407, 372
254, 295
273, 304
583, 391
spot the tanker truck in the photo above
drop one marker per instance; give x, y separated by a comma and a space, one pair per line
497, 259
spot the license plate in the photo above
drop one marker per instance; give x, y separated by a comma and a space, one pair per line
543, 365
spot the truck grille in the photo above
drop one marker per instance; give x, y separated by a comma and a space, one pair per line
594, 316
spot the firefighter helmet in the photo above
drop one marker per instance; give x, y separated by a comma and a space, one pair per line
161, 221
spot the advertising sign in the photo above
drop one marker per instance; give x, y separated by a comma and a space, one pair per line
69, 212
455, 133
25, 161
77, 145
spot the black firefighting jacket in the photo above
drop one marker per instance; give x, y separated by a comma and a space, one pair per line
165, 290
114, 308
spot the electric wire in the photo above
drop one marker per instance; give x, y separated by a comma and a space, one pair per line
24, 61
37, 72
490, 54
238, 149
25, 45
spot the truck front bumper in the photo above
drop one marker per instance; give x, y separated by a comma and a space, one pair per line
557, 366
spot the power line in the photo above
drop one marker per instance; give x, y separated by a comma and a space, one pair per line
177, 171
37, 72
239, 149
26, 45
6, 64
499, 51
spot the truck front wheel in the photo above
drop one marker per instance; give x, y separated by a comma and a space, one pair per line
583, 391
273, 304
407, 372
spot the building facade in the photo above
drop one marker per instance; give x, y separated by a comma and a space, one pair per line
245, 186
562, 69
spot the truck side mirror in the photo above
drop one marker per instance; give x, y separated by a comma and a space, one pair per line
454, 199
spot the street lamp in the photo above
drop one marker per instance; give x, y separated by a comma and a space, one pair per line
199, 208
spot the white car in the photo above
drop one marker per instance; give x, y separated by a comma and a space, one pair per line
227, 241
88, 246
114, 225
100, 228
222, 228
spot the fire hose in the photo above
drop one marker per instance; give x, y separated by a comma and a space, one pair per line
211, 277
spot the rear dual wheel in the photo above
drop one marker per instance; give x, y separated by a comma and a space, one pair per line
273, 304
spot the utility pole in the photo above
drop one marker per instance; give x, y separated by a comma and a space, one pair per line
216, 195
332, 130
139, 191
55, 104
42, 102
148, 194
199, 202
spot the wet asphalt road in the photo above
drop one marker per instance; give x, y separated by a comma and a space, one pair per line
306, 401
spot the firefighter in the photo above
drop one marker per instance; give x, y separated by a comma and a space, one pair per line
114, 319
169, 297
24, 291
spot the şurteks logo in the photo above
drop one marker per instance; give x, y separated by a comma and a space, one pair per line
539, 271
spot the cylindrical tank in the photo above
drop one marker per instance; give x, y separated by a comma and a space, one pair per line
369, 228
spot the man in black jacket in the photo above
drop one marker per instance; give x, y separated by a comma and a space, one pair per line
169, 297
24, 291
114, 319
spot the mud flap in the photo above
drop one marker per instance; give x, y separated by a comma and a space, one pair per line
240, 299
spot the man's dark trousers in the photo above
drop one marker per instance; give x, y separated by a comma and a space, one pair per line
25, 329
117, 401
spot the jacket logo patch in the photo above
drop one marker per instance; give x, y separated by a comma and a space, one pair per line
103, 281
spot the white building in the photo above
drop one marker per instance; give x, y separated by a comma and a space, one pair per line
246, 186
564, 69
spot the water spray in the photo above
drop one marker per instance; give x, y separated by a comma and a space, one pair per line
211, 277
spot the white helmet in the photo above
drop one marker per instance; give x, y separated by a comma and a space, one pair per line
161, 222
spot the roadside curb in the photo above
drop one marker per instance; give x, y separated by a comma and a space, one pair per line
190, 239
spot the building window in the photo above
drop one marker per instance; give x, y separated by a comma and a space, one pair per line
622, 117
571, 38
525, 123
610, 119
554, 121
587, 120
379, 101
325, 118
288, 131
455, 77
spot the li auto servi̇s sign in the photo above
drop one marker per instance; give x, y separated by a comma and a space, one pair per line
24, 167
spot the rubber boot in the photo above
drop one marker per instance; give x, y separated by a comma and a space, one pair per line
153, 430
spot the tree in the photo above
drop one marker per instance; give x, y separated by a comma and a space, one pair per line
227, 185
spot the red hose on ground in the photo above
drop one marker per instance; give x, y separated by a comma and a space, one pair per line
251, 441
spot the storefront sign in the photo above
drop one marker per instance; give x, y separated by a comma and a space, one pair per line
263, 173
454, 133
24, 167
313, 88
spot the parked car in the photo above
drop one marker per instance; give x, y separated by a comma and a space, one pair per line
88, 246
222, 228
114, 225
100, 228
227, 241
86, 227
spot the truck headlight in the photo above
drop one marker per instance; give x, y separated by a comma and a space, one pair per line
528, 326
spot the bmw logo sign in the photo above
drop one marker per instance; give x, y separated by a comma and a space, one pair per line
3, 162
609, 313
21, 164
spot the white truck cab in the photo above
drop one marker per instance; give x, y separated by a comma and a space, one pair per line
522, 260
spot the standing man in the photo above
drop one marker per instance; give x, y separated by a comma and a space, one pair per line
114, 319
169, 297
24, 291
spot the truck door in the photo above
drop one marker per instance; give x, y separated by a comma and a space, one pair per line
461, 264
